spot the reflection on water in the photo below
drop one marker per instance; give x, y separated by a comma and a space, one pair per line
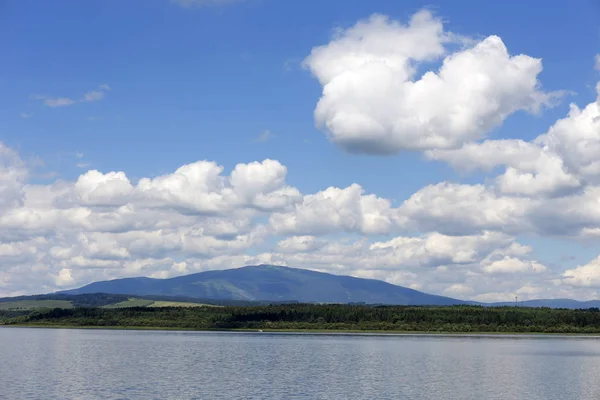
102, 364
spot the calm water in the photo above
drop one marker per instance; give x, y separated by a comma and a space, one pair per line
94, 364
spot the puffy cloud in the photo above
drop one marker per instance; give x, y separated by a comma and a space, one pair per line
575, 215
373, 103
557, 163
511, 265
467, 209
576, 140
263, 185
200, 187
64, 278
462, 209
436, 249
111, 189
585, 275
196, 187
101, 225
334, 210
597, 62
531, 169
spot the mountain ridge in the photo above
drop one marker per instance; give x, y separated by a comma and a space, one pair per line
270, 283
280, 283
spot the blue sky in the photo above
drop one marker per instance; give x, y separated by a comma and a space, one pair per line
225, 82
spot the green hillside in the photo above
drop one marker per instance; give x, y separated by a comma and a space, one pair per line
103, 300
34, 304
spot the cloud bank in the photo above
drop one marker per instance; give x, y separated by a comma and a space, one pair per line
387, 87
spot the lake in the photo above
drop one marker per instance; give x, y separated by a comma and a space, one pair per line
107, 364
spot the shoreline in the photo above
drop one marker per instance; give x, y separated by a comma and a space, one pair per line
306, 331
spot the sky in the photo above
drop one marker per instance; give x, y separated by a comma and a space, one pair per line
450, 147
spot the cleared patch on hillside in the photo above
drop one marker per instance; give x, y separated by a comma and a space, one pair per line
132, 302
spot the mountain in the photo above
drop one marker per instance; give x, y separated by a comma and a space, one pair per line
269, 283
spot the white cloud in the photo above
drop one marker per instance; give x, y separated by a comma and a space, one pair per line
459, 290
585, 275
93, 95
597, 64
531, 170
297, 244
557, 163
97, 189
64, 278
336, 210
90, 96
576, 140
436, 249
462, 209
200, 187
512, 265
373, 103
25, 115
58, 101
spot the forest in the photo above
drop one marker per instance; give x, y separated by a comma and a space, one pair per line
330, 317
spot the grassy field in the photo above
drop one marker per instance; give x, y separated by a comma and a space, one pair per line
133, 302
33, 304
178, 304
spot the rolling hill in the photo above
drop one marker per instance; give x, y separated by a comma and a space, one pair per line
101, 300
269, 283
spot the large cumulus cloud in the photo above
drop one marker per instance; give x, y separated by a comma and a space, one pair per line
375, 101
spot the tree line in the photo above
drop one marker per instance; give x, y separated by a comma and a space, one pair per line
322, 317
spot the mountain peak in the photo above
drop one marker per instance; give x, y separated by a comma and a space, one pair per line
266, 282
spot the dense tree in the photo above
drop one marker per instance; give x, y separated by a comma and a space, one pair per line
323, 317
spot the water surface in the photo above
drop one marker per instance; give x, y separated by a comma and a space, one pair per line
105, 364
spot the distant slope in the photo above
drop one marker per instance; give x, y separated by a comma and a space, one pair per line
270, 283
34, 304
103, 300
